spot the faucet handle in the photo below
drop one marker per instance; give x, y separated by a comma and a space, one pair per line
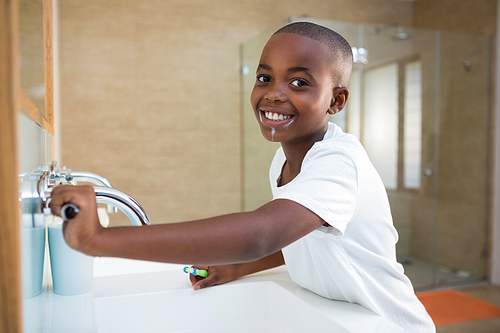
34, 194
69, 212
90, 177
35, 190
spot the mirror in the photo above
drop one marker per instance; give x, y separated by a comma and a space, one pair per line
31, 51
35, 148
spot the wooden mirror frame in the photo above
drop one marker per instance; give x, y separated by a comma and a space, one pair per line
13, 100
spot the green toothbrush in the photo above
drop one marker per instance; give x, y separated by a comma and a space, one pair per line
194, 271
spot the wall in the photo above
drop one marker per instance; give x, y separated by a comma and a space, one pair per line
456, 15
150, 93
151, 90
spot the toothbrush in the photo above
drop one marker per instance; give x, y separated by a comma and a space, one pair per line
194, 271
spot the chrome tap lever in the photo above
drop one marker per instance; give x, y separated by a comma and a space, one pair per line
128, 205
90, 177
123, 201
36, 189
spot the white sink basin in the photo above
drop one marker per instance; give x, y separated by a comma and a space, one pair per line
244, 307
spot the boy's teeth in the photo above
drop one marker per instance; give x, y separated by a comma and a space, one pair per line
275, 116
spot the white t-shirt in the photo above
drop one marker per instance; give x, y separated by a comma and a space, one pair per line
353, 258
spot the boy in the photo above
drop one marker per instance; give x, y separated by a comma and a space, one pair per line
329, 220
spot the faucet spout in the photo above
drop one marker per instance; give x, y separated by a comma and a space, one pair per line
90, 177
94, 178
128, 205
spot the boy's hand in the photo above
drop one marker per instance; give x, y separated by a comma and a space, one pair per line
216, 275
80, 232
226, 273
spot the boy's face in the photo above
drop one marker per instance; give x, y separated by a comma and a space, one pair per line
294, 94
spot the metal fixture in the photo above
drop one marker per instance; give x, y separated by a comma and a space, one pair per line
90, 177
466, 64
359, 55
128, 205
36, 187
401, 35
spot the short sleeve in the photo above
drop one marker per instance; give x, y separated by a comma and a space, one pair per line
326, 185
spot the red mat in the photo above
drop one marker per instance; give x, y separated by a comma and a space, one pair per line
451, 307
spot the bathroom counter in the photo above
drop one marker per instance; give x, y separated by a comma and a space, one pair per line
115, 278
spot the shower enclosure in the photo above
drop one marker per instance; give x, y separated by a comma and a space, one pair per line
420, 103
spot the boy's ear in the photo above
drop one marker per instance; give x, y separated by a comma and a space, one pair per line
339, 99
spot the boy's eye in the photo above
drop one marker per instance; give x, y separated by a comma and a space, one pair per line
299, 83
263, 78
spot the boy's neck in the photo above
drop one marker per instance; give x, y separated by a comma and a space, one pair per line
295, 153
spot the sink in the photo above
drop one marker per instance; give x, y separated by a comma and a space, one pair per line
239, 307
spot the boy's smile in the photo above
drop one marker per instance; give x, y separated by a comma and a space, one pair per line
295, 92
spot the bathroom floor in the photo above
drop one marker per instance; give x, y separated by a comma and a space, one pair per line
486, 293
420, 273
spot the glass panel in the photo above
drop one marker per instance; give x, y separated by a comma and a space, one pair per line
413, 211
35, 149
412, 124
429, 92
462, 211
380, 130
35, 144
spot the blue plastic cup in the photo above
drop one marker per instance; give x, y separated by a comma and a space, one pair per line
72, 271
32, 258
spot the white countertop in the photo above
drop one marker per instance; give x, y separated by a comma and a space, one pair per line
53, 313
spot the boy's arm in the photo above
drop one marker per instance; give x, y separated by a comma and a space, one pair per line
226, 273
228, 239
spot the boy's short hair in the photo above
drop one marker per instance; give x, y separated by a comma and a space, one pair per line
339, 47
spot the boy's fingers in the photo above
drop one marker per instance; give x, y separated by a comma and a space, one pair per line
205, 282
195, 278
58, 198
64, 194
210, 280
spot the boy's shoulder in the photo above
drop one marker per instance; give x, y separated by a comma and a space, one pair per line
336, 139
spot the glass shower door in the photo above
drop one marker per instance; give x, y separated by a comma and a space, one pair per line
461, 220
419, 103
425, 114
400, 101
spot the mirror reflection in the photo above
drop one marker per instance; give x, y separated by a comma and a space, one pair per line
31, 50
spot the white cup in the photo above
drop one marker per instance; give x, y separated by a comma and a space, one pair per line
72, 271
33, 253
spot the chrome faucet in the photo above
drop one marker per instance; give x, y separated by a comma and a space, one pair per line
36, 187
89, 177
124, 202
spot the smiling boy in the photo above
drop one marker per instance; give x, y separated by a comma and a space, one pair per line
329, 219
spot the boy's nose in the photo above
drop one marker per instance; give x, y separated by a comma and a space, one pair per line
275, 94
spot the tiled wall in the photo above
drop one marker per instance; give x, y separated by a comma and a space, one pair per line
150, 93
